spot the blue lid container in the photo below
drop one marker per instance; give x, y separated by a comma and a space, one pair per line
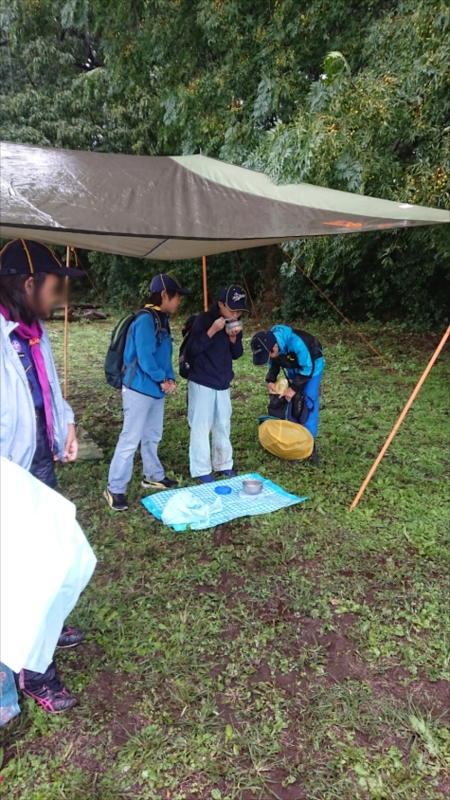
223, 490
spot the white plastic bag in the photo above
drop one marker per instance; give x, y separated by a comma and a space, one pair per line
45, 565
184, 508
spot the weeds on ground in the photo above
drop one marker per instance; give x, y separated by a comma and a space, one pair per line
300, 655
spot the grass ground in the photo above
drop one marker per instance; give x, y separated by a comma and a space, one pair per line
301, 655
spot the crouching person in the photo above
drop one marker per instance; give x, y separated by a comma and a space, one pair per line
148, 377
300, 356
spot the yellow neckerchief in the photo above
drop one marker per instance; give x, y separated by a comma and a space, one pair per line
150, 305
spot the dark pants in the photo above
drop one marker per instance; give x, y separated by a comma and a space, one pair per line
34, 681
43, 468
43, 465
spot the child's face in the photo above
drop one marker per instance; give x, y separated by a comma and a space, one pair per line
170, 306
275, 351
46, 297
228, 313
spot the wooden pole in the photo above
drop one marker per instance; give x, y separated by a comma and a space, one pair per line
205, 284
66, 327
400, 419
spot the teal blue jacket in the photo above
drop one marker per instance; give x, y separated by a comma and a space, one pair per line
154, 358
289, 342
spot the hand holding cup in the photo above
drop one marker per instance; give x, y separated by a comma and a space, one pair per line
233, 327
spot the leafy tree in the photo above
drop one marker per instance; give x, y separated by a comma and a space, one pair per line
340, 93
382, 131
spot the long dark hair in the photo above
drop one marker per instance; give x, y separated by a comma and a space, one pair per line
14, 299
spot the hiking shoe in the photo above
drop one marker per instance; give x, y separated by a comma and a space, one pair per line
206, 478
116, 502
70, 637
229, 473
53, 697
165, 483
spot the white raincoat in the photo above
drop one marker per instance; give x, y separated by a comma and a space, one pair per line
46, 562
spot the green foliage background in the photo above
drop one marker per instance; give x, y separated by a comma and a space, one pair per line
342, 93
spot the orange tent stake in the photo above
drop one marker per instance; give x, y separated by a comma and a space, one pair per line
205, 284
66, 327
400, 419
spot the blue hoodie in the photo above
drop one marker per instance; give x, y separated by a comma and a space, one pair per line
289, 342
154, 358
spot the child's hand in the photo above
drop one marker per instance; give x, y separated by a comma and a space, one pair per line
168, 386
288, 394
271, 388
71, 445
218, 325
233, 332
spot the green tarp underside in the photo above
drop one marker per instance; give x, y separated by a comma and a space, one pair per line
174, 207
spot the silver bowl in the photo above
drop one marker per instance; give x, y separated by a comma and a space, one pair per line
234, 326
252, 487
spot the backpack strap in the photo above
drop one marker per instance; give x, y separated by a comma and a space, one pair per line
159, 332
312, 344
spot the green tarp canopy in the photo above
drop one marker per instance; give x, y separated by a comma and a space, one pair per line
173, 207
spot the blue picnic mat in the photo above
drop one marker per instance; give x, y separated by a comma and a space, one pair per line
272, 498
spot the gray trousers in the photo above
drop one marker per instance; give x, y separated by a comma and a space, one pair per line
143, 422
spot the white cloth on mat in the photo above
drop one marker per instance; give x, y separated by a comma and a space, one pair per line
184, 508
45, 565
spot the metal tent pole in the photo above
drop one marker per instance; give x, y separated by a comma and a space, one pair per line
66, 326
205, 284
400, 419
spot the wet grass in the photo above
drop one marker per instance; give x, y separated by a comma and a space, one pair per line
301, 655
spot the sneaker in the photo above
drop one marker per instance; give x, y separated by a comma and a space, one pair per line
70, 637
229, 473
116, 502
165, 483
206, 478
53, 698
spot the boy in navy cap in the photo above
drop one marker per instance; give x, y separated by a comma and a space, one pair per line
300, 355
214, 343
149, 376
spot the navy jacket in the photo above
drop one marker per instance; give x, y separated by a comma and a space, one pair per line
212, 358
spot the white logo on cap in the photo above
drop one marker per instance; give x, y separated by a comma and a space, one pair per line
237, 297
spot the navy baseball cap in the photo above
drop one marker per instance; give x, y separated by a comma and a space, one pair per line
24, 257
262, 344
163, 281
234, 297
